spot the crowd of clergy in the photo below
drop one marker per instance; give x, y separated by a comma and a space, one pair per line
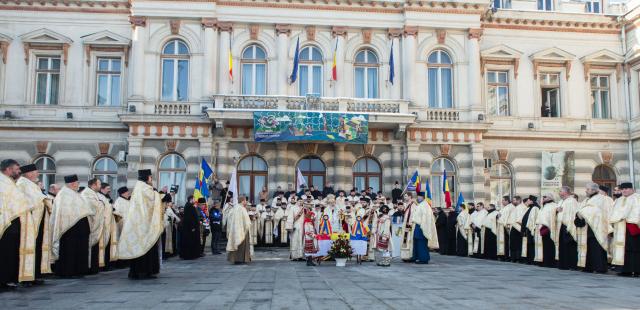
72, 231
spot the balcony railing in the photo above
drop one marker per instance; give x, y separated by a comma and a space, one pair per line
443, 115
172, 108
311, 104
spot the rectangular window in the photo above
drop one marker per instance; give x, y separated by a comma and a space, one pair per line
498, 92
108, 82
550, 87
593, 6
47, 80
545, 5
502, 4
175, 79
600, 96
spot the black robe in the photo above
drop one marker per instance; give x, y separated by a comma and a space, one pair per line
548, 249
38, 269
94, 268
596, 255
462, 248
506, 255
441, 227
452, 218
531, 243
396, 195
631, 254
74, 251
515, 244
10, 253
190, 233
490, 243
567, 250
146, 265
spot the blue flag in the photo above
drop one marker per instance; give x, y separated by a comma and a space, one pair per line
392, 70
459, 202
296, 59
201, 188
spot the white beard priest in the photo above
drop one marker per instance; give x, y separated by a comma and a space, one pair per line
142, 228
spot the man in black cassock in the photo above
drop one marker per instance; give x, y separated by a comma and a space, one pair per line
441, 228
396, 193
452, 217
528, 233
490, 239
190, 233
10, 237
70, 230
515, 235
567, 245
461, 241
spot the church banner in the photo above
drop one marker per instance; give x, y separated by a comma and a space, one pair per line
288, 126
558, 169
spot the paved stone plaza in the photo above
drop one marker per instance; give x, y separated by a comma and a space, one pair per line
272, 282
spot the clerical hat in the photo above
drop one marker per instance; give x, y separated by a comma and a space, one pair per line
202, 200
70, 178
143, 175
28, 168
533, 198
625, 185
122, 190
166, 198
604, 188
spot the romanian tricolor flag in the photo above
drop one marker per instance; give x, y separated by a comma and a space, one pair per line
414, 182
201, 190
445, 190
230, 64
427, 192
334, 66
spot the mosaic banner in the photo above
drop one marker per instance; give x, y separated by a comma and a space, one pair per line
287, 126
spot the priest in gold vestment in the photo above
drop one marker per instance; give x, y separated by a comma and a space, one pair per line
546, 236
143, 225
96, 222
425, 234
40, 212
17, 238
567, 244
238, 233
70, 231
625, 219
592, 232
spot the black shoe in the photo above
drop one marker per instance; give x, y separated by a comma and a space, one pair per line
38, 282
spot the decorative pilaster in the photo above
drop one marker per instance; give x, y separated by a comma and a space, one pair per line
138, 42
134, 159
477, 163
224, 82
394, 35
409, 62
209, 76
339, 177
282, 176
283, 32
396, 164
222, 166
474, 76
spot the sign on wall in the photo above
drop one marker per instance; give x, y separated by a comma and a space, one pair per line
558, 169
284, 126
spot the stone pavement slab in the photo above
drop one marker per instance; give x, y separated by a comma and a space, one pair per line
271, 281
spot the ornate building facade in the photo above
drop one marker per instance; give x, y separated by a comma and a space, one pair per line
481, 89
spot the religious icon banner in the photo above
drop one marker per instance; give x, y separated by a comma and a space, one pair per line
287, 126
558, 169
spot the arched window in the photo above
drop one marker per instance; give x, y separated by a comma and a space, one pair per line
367, 173
604, 175
47, 168
175, 71
501, 182
310, 80
252, 176
254, 71
437, 172
313, 170
172, 171
440, 80
366, 74
106, 170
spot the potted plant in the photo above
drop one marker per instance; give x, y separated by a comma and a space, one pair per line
341, 250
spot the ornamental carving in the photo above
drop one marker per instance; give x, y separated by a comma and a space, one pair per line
283, 29
103, 148
253, 31
311, 148
339, 31
607, 157
410, 31
42, 146
502, 154
475, 33
138, 21
175, 26
394, 32
252, 147
209, 22
367, 149
445, 149
441, 34
311, 33
171, 145
366, 36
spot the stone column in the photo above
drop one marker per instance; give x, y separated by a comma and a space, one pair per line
209, 76
138, 45
223, 160
282, 161
413, 157
206, 149
339, 177
340, 34
409, 63
477, 163
283, 32
396, 88
396, 163
474, 74
134, 159
224, 82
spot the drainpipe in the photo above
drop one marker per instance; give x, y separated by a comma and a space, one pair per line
627, 102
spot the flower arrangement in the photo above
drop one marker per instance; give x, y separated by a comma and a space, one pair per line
341, 248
